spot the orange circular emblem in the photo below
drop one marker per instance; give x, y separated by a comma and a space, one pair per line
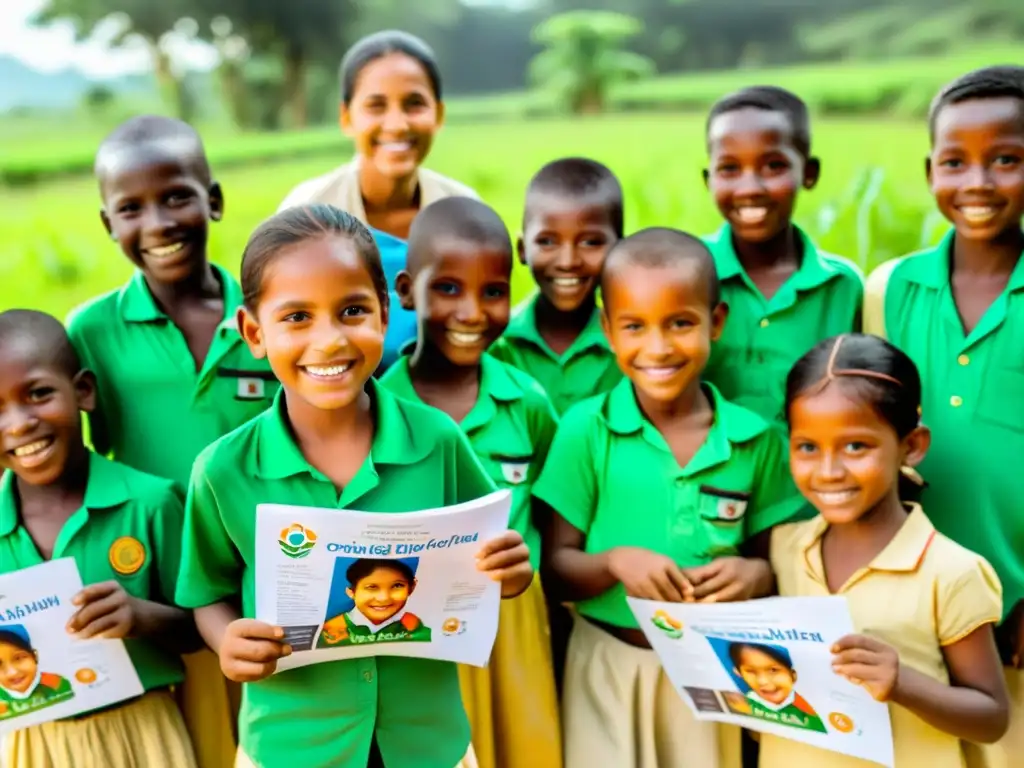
85, 676
450, 625
127, 555
841, 722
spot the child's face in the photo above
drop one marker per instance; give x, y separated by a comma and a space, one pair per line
660, 327
844, 458
393, 115
462, 298
976, 167
40, 419
756, 171
17, 668
382, 594
320, 323
768, 678
564, 243
158, 210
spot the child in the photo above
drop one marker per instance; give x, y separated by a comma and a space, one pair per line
925, 605
460, 267
23, 686
316, 308
958, 311
768, 672
573, 216
379, 591
656, 489
784, 294
122, 527
173, 372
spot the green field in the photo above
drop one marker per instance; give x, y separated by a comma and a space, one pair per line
872, 203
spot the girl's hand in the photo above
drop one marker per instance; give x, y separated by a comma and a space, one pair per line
648, 575
250, 650
730, 579
1010, 637
507, 559
105, 611
869, 663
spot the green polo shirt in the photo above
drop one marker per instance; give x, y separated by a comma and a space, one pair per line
510, 428
611, 475
156, 412
326, 714
129, 531
763, 339
973, 401
585, 369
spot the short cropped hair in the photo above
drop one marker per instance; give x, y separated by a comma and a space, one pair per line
769, 98
986, 83
578, 177
46, 334
459, 218
170, 134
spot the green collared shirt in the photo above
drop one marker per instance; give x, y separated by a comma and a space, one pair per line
155, 411
763, 339
611, 475
973, 401
510, 428
585, 369
327, 714
128, 530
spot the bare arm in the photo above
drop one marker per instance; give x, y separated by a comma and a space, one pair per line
571, 572
213, 621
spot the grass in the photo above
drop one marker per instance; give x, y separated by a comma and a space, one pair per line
872, 202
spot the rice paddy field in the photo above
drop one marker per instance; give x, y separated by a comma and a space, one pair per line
872, 202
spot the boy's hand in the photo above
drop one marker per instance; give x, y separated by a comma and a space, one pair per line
730, 579
648, 575
1010, 637
250, 650
869, 663
104, 611
507, 559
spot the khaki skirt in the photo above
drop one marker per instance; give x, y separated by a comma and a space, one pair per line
511, 704
209, 704
619, 709
998, 755
147, 733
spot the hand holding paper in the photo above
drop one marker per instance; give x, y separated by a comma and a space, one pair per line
869, 663
648, 575
250, 650
729, 579
507, 559
104, 611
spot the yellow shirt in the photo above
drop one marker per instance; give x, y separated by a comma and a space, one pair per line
920, 594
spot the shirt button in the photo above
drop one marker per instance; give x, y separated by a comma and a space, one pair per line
764, 322
956, 401
368, 676
963, 360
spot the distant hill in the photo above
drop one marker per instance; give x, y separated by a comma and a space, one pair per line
24, 87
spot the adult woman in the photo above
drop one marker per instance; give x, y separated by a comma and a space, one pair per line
391, 108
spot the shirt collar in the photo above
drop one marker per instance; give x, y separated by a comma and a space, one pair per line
814, 270
931, 267
137, 304
105, 488
523, 326
276, 455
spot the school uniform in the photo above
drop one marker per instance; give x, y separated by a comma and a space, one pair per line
611, 475
128, 530
585, 369
763, 338
920, 594
511, 704
973, 401
156, 412
327, 714
340, 188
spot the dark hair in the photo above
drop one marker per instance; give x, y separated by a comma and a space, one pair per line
774, 652
578, 177
151, 130
870, 370
986, 83
48, 336
18, 639
360, 569
657, 247
457, 218
769, 98
381, 44
300, 224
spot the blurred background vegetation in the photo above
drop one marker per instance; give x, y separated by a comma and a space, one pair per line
526, 81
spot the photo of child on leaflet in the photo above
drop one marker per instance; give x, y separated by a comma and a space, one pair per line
367, 603
24, 687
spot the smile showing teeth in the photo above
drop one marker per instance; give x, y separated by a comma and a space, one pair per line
660, 372
165, 250
751, 214
465, 339
836, 497
395, 146
978, 214
328, 371
567, 282
33, 448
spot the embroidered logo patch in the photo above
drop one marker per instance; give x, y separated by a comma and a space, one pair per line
250, 389
127, 555
731, 509
515, 472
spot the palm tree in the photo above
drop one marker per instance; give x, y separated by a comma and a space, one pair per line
584, 57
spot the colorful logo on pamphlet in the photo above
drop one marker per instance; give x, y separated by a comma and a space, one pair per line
842, 723
85, 676
670, 626
297, 541
453, 626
